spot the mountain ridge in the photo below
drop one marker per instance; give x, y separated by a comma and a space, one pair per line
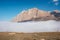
34, 14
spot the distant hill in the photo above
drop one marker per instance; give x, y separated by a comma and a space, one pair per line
35, 14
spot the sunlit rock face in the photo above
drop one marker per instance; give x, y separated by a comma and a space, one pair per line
34, 14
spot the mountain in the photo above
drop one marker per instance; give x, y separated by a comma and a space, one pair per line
56, 13
35, 14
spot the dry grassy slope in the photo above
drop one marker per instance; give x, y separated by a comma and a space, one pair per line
30, 36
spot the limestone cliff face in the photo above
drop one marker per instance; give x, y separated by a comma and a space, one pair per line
34, 14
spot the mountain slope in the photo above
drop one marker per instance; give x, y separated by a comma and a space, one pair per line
34, 14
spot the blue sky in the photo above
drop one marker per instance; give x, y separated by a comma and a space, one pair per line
10, 8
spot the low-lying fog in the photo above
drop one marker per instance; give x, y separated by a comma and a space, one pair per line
40, 26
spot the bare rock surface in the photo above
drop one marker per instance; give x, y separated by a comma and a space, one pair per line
35, 14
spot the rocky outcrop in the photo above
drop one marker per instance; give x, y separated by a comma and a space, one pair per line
34, 14
56, 13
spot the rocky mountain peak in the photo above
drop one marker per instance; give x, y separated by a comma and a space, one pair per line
34, 14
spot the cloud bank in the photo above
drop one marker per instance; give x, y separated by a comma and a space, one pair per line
41, 26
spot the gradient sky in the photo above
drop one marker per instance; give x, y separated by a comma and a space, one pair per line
10, 8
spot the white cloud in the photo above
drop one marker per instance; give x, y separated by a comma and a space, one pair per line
41, 26
55, 0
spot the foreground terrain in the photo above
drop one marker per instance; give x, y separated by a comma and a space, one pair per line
30, 36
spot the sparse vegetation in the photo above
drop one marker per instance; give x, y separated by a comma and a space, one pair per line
30, 36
